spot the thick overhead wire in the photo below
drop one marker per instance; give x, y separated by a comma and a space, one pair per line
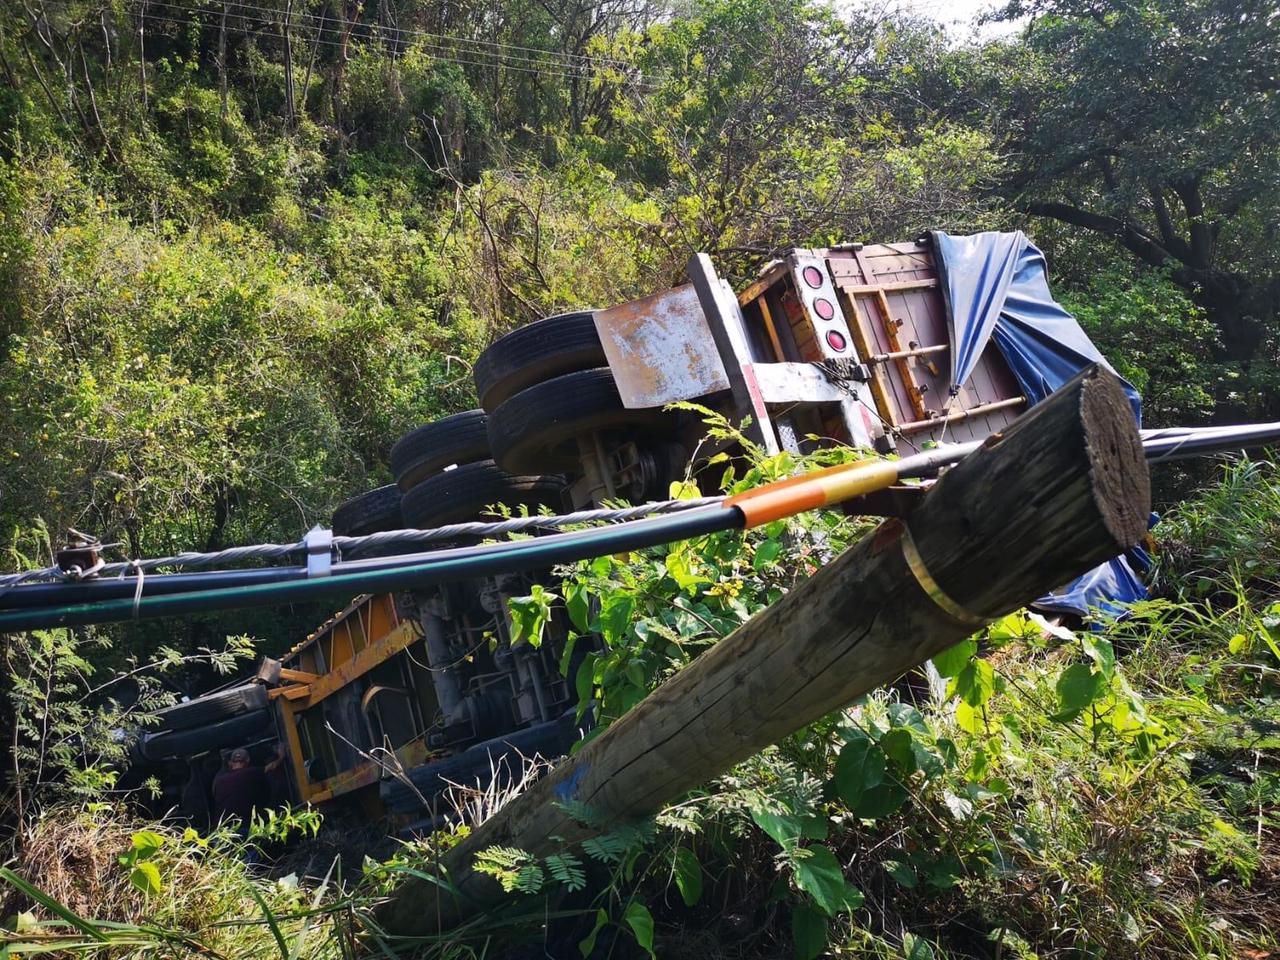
42, 605
410, 572
1160, 445
461, 50
268, 13
191, 560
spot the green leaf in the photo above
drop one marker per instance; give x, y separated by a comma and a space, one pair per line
766, 555
577, 603
587, 945
952, 660
1236, 643
567, 869
896, 745
146, 843
640, 921
809, 931
945, 873
1078, 687
566, 658
146, 877
859, 767
925, 760
902, 873
916, 948
584, 683
1101, 653
818, 874
880, 801
813, 826
905, 715
974, 684
782, 827
615, 617
529, 615
688, 873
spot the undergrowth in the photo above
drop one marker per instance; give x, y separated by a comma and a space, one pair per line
1049, 790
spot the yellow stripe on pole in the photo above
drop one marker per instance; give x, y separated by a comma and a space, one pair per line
821, 488
869, 476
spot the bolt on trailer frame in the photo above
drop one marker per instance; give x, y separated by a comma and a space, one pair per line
848, 344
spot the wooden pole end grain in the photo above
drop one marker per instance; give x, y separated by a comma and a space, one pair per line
1062, 490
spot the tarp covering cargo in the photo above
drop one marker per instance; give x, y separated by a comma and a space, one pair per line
996, 288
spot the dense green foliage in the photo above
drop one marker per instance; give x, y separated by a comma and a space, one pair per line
243, 248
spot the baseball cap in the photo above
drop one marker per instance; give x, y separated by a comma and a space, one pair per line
239, 755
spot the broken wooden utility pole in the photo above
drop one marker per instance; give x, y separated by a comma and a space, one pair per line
1063, 489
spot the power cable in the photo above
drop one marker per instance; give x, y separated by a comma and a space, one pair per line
352, 545
271, 14
761, 505
439, 56
532, 60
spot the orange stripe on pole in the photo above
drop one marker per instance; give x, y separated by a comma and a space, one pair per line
809, 491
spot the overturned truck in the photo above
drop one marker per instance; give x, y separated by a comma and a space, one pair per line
889, 347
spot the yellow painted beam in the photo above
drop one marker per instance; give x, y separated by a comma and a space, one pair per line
381, 650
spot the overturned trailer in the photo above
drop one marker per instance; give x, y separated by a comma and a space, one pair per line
892, 347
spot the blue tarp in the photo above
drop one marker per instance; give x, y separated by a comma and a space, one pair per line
997, 288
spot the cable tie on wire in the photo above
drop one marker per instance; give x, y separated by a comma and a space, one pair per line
319, 547
136, 566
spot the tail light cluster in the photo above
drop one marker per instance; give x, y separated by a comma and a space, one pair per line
820, 301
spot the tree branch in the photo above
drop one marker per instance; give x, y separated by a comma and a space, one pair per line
1188, 191
1133, 239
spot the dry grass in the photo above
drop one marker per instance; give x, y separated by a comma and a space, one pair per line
209, 895
71, 855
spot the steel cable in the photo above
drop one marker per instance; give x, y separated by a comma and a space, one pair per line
355, 545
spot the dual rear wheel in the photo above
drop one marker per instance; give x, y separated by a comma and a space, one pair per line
553, 404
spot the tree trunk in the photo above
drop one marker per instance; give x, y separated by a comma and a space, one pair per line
289, 94
222, 69
1064, 489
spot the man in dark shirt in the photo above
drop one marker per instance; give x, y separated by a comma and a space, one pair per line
238, 790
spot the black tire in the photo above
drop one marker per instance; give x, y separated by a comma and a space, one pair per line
234, 732
537, 428
370, 512
463, 493
461, 438
213, 707
551, 739
548, 348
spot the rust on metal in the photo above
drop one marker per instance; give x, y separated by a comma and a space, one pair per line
862, 343
904, 368
660, 349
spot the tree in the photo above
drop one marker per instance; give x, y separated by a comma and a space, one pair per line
1157, 123
766, 127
